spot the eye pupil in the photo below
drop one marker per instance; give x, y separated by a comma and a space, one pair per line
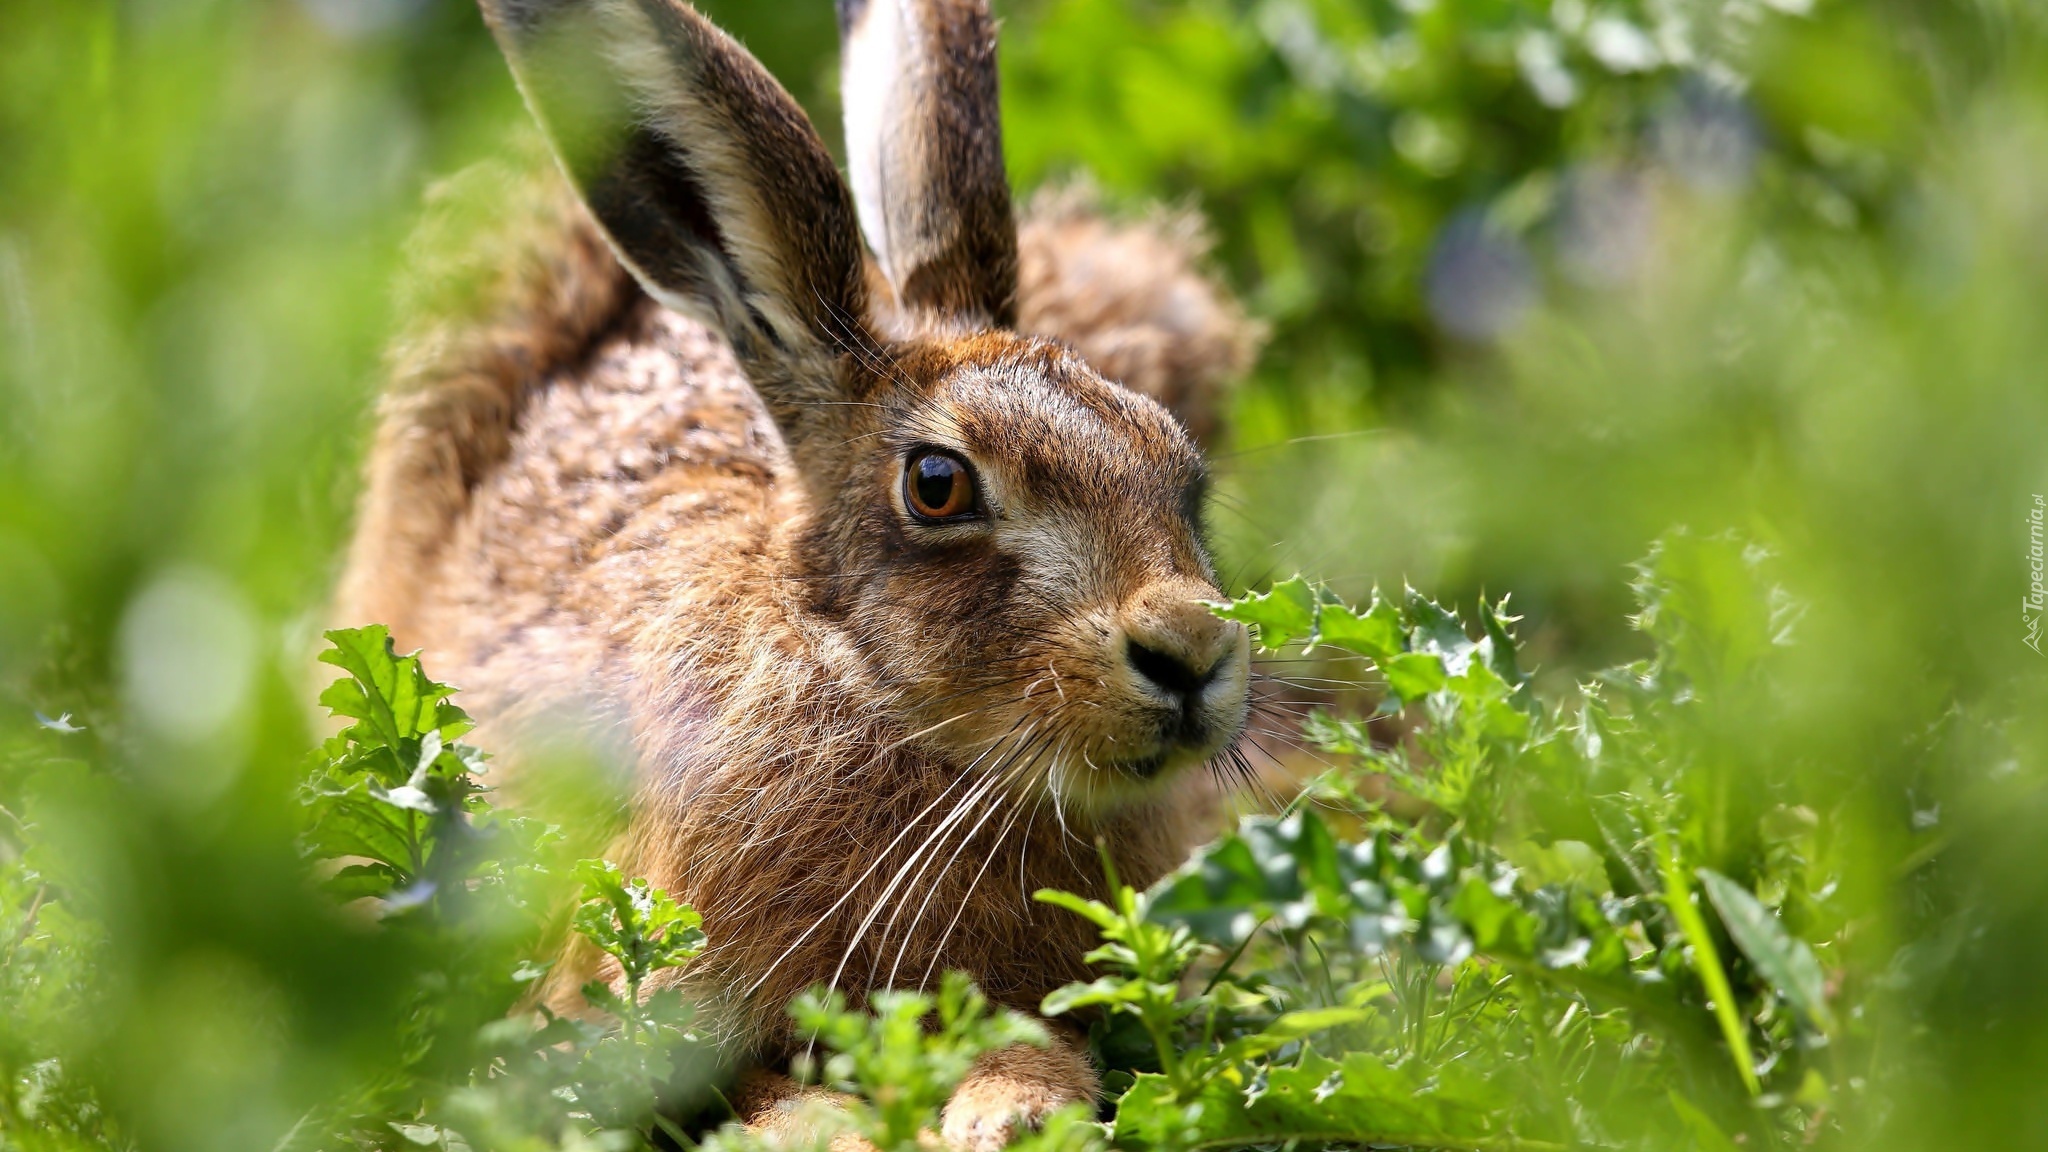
939, 486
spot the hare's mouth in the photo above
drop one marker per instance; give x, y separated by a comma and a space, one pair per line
1186, 743
1144, 767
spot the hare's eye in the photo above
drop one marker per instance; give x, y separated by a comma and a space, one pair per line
938, 486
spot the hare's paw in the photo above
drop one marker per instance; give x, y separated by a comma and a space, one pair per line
790, 1114
1012, 1092
985, 1116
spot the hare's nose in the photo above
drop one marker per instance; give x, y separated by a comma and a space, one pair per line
1167, 669
1174, 642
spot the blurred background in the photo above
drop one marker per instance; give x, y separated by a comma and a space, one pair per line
1543, 279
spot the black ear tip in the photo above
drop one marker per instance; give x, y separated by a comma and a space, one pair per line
524, 16
850, 12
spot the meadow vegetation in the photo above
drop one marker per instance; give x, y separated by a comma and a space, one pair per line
1652, 405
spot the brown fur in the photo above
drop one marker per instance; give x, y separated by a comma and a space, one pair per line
1131, 297
491, 312
861, 740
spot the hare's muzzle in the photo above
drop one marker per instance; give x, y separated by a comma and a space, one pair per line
1190, 666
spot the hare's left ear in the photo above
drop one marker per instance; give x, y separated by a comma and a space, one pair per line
924, 148
711, 185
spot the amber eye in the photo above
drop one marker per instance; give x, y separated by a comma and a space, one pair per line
938, 486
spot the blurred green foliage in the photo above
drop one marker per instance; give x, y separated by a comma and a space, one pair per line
1545, 281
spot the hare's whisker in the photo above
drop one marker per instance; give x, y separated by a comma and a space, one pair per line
1024, 851
1059, 812
994, 805
850, 890
939, 949
991, 791
1295, 441
1301, 677
972, 796
1021, 766
991, 706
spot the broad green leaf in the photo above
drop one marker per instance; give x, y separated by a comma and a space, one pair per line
388, 693
351, 822
1780, 957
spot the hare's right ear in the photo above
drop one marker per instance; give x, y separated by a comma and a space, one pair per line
708, 179
924, 146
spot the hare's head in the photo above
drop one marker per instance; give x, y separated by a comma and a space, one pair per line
1006, 541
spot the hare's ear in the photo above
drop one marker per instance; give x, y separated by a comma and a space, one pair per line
924, 146
706, 176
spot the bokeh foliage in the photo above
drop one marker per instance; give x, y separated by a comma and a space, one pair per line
1544, 281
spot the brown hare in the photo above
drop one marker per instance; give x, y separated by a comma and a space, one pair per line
891, 596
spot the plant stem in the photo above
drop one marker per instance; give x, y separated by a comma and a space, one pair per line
674, 1133
1707, 961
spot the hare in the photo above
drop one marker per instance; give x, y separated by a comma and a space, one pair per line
895, 607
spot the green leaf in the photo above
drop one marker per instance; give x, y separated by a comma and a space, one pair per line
1107, 990
349, 821
1413, 675
1095, 911
640, 926
1781, 958
362, 880
392, 700
1706, 963
1705, 1133
1282, 615
1375, 633
1498, 646
1436, 630
1361, 1101
1293, 1027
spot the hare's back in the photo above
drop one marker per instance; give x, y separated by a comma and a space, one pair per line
639, 472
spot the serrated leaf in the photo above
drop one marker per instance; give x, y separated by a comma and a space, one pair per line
1282, 615
1499, 644
1436, 630
388, 694
1413, 675
1376, 633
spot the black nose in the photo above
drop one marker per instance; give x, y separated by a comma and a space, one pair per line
1168, 671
